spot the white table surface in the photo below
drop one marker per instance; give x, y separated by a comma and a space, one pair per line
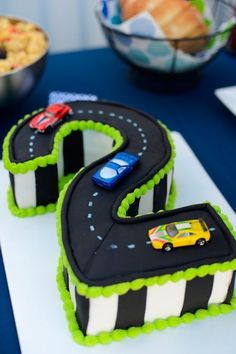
30, 253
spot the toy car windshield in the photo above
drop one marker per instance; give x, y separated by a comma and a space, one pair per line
171, 230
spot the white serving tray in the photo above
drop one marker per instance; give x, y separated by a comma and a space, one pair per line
227, 95
30, 253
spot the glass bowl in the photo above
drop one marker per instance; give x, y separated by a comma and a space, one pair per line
166, 55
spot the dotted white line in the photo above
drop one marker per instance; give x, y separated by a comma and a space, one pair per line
95, 194
80, 111
113, 246
90, 204
120, 117
92, 228
31, 143
90, 111
112, 114
89, 216
99, 238
100, 112
132, 246
129, 120
140, 154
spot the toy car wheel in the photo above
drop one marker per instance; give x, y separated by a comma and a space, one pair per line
201, 242
167, 247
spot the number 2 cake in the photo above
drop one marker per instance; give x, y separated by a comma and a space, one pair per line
129, 262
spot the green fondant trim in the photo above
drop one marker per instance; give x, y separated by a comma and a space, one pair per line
155, 180
39, 210
51, 159
132, 332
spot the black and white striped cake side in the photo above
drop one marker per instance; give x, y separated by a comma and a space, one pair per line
133, 309
41, 187
155, 199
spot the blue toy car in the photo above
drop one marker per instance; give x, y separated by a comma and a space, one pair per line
115, 169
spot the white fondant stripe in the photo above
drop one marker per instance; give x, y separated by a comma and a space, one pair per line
72, 293
220, 287
60, 162
146, 203
169, 182
96, 145
25, 189
164, 300
102, 314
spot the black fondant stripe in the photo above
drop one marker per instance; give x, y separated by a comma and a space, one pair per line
131, 309
12, 181
159, 196
230, 290
197, 293
133, 209
66, 278
46, 184
82, 311
73, 152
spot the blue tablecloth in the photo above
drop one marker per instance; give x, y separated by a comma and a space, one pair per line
206, 124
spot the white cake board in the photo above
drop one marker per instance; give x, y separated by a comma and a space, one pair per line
30, 253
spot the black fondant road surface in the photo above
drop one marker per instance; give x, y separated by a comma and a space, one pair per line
102, 248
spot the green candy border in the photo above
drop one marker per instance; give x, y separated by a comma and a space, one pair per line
119, 334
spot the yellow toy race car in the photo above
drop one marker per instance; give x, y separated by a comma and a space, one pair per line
179, 234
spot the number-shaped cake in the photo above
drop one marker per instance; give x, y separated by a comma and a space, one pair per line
129, 263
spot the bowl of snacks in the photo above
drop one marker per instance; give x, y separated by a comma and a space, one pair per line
170, 37
23, 52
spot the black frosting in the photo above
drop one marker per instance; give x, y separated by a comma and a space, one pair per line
105, 249
203, 288
131, 309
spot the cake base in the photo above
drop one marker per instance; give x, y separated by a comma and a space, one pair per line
31, 257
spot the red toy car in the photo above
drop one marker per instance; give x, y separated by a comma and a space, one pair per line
52, 115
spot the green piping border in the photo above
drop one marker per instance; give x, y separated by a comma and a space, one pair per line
51, 159
132, 332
